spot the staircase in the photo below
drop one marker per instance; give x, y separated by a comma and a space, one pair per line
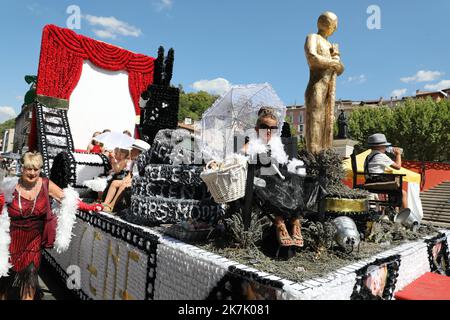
436, 205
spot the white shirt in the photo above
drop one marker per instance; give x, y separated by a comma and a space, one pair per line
379, 162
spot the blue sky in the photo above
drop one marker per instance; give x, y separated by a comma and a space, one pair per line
244, 41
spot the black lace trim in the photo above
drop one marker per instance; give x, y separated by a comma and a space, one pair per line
63, 275
362, 292
439, 264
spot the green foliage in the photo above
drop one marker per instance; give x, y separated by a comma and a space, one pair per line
10, 124
30, 96
246, 239
194, 104
301, 145
293, 128
420, 127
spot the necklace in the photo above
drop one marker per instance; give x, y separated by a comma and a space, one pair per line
22, 186
34, 202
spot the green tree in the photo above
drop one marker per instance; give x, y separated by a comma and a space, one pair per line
194, 104
10, 124
420, 127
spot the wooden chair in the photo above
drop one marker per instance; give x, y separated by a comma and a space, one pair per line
392, 189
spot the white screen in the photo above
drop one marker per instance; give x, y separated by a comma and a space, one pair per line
101, 100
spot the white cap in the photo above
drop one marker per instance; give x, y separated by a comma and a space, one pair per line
140, 145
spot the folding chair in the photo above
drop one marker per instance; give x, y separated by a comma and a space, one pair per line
391, 188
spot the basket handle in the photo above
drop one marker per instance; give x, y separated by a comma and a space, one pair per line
208, 165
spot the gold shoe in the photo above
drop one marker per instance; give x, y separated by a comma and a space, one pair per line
283, 236
297, 236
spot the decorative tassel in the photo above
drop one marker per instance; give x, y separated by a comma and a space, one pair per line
66, 219
5, 240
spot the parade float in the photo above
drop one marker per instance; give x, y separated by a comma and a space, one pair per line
85, 86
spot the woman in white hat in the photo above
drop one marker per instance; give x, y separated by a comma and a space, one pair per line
118, 186
377, 161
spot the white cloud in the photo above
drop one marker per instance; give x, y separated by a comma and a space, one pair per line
34, 8
104, 34
161, 5
111, 27
423, 76
398, 93
7, 113
357, 79
443, 84
215, 86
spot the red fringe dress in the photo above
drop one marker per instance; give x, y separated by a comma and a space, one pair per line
27, 235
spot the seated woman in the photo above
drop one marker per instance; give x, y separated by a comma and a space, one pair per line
120, 166
119, 160
266, 126
118, 186
95, 146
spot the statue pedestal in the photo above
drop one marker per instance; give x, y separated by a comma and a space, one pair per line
344, 147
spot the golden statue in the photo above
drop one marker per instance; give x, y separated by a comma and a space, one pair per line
324, 65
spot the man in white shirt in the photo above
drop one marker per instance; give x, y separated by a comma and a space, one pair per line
377, 161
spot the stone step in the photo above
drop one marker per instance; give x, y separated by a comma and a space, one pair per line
437, 219
441, 203
435, 193
435, 197
441, 189
436, 214
436, 224
435, 208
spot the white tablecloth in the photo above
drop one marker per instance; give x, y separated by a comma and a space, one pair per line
414, 202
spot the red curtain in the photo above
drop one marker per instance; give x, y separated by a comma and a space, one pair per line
61, 63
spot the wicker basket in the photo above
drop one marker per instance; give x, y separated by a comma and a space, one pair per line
226, 181
190, 236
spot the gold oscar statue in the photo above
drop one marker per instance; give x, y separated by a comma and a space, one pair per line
324, 65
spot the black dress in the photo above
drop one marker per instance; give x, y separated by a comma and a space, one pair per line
280, 197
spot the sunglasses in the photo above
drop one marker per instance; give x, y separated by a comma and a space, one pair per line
266, 127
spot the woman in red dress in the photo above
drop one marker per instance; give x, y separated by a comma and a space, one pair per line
32, 225
94, 146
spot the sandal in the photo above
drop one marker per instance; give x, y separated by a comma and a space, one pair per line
107, 208
297, 236
284, 240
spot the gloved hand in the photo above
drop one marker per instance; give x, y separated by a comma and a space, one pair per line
96, 207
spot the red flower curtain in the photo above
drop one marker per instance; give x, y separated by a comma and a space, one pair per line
61, 63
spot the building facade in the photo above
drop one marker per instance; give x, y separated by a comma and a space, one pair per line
8, 141
23, 123
296, 117
296, 114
